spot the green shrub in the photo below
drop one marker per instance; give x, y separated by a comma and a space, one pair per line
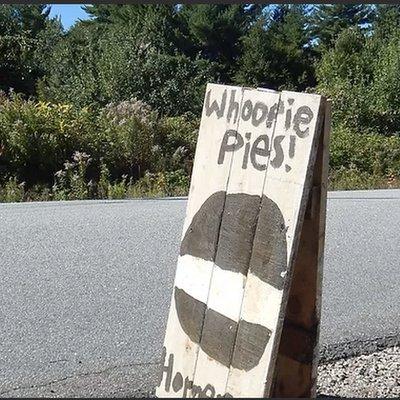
151, 185
38, 137
363, 161
39, 192
175, 183
354, 179
103, 183
124, 138
175, 142
361, 75
368, 153
12, 191
71, 182
118, 190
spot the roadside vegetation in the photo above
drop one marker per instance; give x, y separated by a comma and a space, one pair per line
110, 108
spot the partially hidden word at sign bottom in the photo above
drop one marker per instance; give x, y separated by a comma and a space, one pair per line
176, 382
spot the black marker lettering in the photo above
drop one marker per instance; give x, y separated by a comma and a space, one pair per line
218, 109
304, 115
255, 119
196, 391
277, 108
225, 147
166, 369
278, 160
259, 151
177, 383
247, 110
233, 107
187, 386
211, 389
288, 118
246, 151
292, 146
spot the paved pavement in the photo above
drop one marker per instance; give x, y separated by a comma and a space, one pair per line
85, 288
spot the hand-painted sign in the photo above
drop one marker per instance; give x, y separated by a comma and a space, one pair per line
250, 186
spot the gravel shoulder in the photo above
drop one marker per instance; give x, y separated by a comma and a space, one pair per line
373, 370
369, 375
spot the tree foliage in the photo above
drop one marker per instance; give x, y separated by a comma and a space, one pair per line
126, 87
329, 20
215, 31
26, 34
387, 21
277, 53
362, 76
165, 54
99, 64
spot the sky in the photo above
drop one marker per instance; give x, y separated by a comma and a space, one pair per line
69, 13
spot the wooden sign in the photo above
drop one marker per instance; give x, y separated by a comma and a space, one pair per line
245, 307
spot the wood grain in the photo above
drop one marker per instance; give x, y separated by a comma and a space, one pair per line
193, 274
295, 373
264, 303
238, 225
244, 313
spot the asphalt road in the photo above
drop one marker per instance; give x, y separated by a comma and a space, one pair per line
85, 288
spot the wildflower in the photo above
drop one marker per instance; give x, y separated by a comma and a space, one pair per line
69, 165
81, 157
59, 174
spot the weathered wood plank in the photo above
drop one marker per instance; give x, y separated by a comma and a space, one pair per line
199, 241
322, 230
238, 225
295, 372
276, 238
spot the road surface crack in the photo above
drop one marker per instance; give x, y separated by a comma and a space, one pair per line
84, 374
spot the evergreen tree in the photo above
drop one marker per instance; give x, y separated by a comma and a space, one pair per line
24, 34
98, 63
152, 25
216, 30
276, 51
329, 20
102, 13
387, 21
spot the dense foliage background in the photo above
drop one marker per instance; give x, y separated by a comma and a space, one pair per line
110, 108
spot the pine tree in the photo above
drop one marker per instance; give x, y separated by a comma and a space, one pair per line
153, 25
329, 20
387, 21
102, 13
276, 51
215, 31
24, 30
